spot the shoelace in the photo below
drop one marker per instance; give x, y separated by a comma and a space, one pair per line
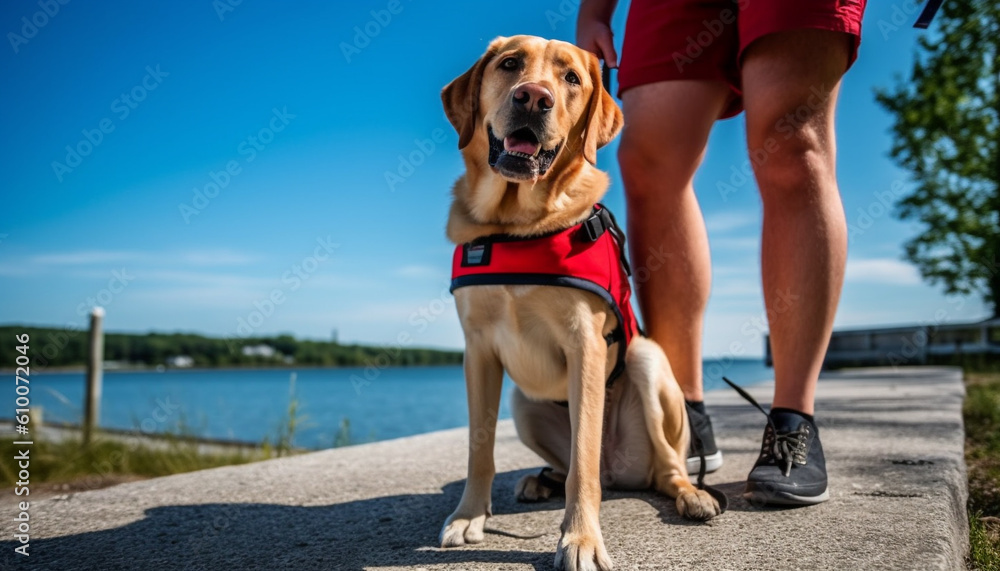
789, 447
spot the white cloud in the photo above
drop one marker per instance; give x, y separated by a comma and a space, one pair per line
738, 332
746, 243
749, 270
735, 280
96, 263
344, 281
206, 278
189, 298
418, 272
881, 271
85, 257
215, 258
735, 288
13, 270
212, 257
398, 311
721, 222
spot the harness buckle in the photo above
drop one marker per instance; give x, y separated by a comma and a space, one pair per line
593, 228
598, 223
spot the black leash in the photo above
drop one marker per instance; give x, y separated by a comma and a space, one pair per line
606, 77
927, 14
746, 396
712, 491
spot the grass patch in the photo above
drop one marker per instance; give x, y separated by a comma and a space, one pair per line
982, 456
65, 464
107, 460
984, 545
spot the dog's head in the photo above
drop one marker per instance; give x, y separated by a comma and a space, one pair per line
529, 104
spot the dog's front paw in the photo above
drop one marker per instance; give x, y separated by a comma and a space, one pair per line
697, 504
459, 530
577, 552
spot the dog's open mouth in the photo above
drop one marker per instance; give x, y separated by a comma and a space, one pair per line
519, 155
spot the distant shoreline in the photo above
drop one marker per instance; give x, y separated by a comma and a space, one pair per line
153, 369
283, 367
63, 350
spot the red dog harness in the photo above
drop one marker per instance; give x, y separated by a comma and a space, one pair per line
588, 256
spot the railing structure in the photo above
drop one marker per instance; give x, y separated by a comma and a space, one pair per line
911, 345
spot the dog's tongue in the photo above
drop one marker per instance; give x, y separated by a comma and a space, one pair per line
519, 145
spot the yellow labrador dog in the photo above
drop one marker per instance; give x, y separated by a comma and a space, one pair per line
530, 115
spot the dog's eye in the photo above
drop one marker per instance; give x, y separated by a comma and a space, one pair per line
573, 78
509, 63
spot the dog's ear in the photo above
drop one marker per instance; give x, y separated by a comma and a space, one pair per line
604, 118
461, 96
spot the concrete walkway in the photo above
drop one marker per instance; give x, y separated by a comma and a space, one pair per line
894, 446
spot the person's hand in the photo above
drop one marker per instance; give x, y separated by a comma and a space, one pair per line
593, 33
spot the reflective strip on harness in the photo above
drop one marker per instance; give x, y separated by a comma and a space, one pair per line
588, 256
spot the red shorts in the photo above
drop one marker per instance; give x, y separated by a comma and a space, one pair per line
705, 39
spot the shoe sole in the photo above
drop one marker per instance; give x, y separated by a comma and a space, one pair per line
712, 463
763, 498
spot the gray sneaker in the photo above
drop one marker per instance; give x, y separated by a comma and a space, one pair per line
702, 442
791, 469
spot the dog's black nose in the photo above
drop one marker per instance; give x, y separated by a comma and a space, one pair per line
532, 97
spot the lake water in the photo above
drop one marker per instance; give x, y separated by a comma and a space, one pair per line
250, 405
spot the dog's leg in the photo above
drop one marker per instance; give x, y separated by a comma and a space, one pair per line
666, 420
628, 452
483, 380
581, 546
544, 427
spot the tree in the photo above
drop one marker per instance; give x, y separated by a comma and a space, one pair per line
947, 135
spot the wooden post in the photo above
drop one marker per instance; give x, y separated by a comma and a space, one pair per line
35, 417
95, 362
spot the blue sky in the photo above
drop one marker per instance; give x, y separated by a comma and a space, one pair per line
296, 114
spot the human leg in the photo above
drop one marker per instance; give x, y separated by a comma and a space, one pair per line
791, 80
663, 142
